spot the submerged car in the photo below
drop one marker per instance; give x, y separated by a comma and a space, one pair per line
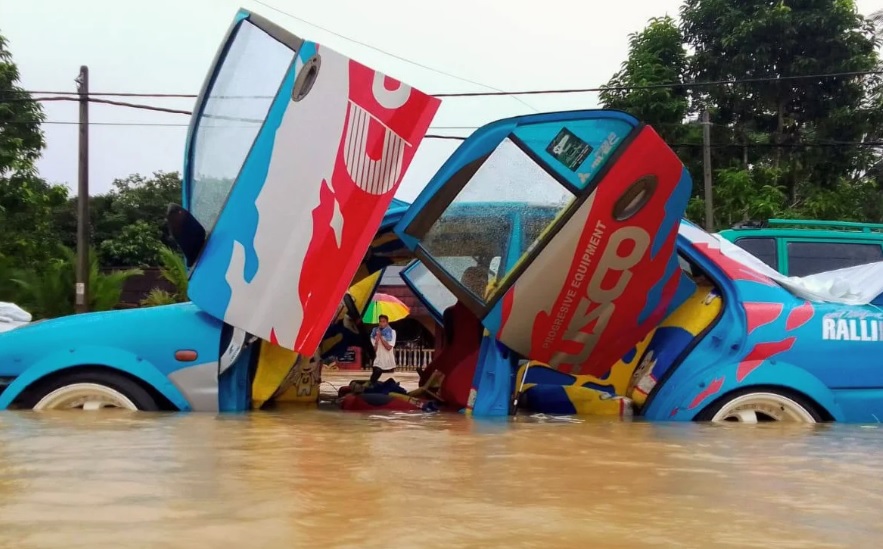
551, 246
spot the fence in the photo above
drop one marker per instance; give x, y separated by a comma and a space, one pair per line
409, 359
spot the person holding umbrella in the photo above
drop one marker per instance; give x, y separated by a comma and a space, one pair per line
381, 310
383, 337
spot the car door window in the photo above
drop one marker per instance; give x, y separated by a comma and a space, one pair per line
763, 249
806, 258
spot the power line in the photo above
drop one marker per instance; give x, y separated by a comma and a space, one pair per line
462, 137
174, 125
689, 84
390, 54
685, 84
103, 101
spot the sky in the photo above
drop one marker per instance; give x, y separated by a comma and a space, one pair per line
167, 46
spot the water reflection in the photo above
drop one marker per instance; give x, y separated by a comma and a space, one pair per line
325, 479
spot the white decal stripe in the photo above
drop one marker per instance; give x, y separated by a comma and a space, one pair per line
376, 177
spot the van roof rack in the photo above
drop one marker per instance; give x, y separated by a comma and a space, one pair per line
823, 224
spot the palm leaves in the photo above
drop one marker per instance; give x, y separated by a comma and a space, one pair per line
49, 291
175, 272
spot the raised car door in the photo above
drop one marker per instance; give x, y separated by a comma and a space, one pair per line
559, 231
293, 157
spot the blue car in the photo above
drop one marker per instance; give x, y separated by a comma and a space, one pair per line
559, 236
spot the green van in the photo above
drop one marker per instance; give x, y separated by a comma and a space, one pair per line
800, 247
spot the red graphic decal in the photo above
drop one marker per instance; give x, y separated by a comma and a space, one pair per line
800, 316
273, 339
760, 353
674, 412
759, 314
385, 123
713, 388
594, 319
731, 267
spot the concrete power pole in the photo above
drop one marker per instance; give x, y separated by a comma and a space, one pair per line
83, 225
706, 165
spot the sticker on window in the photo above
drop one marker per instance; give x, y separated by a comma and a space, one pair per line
569, 149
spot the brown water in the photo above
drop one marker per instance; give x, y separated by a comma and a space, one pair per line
312, 478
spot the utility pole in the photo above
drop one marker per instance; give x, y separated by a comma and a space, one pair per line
82, 301
706, 165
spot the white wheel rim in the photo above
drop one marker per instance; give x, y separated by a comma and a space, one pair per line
85, 396
763, 407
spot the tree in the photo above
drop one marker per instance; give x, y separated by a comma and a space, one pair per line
28, 235
656, 56
758, 39
132, 228
26, 201
129, 222
21, 139
780, 147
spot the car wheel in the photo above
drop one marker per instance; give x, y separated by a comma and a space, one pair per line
89, 390
760, 405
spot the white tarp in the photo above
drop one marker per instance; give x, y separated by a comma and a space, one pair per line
851, 286
12, 316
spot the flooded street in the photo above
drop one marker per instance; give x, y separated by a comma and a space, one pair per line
317, 478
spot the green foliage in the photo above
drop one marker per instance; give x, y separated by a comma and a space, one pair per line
27, 233
174, 271
130, 221
21, 139
135, 244
157, 297
656, 56
48, 292
774, 143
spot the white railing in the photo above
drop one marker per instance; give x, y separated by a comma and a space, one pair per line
410, 359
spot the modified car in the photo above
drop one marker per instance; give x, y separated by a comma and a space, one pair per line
551, 246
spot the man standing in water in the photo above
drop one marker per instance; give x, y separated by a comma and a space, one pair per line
384, 339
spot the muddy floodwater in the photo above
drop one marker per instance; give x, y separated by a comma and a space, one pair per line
317, 478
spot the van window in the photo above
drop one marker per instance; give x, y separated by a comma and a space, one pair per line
763, 249
806, 258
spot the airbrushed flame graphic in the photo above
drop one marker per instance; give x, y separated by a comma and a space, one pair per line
620, 275
339, 155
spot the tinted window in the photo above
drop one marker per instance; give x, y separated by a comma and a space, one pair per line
763, 249
806, 258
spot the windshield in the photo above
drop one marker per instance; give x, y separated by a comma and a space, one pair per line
231, 116
485, 223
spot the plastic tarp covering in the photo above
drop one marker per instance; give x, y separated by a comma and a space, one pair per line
12, 316
858, 285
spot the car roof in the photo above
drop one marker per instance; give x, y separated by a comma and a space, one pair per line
808, 229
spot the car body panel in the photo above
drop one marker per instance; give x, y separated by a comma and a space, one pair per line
116, 339
617, 193
864, 238
767, 337
312, 190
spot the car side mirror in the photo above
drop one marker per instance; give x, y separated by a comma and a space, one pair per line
187, 232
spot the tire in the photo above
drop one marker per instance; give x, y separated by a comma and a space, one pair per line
761, 405
88, 389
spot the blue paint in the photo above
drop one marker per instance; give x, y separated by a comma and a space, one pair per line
630, 356
493, 379
113, 339
234, 389
675, 207
593, 131
238, 220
